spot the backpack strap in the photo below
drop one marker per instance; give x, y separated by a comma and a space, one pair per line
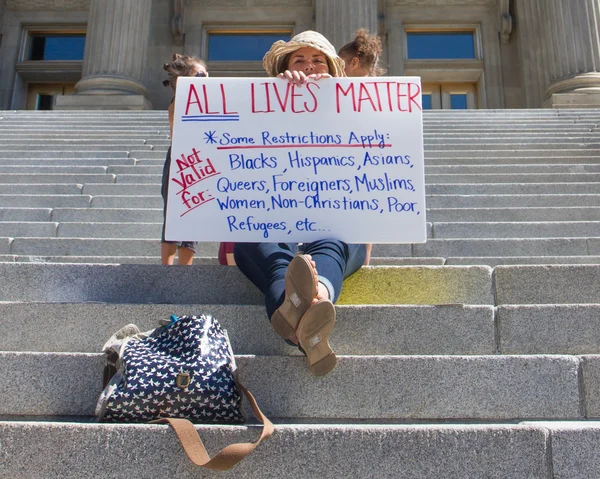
230, 455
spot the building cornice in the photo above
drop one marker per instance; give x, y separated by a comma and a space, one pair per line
48, 5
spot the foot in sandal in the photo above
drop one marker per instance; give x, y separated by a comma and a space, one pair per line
313, 337
301, 287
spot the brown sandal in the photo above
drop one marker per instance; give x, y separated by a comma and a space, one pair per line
313, 337
300, 290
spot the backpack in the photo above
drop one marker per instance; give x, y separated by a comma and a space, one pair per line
180, 372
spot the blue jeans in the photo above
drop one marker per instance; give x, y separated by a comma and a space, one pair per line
265, 264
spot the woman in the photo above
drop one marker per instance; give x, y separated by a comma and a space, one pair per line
180, 65
361, 55
300, 289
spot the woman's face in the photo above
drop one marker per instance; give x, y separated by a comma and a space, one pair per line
308, 60
353, 67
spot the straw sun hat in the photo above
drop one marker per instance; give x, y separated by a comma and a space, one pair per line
273, 59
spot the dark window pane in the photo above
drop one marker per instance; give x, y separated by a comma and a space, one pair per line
458, 102
427, 102
241, 46
57, 47
36, 51
45, 102
441, 45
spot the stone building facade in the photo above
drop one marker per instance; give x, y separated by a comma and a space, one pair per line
525, 53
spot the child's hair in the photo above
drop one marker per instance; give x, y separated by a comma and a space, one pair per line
367, 47
180, 66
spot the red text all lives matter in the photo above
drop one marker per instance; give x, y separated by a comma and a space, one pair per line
188, 171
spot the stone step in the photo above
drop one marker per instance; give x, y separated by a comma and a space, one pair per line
93, 247
117, 215
58, 169
144, 135
467, 159
409, 330
88, 145
39, 123
513, 178
36, 142
41, 189
19, 155
565, 169
492, 387
538, 135
510, 153
516, 230
510, 201
150, 129
501, 247
555, 284
29, 229
25, 214
327, 451
494, 261
140, 179
128, 201
511, 147
107, 230
145, 154
436, 247
50, 178
137, 169
197, 284
65, 162
552, 328
475, 188
198, 260
491, 261
582, 213
120, 189
40, 201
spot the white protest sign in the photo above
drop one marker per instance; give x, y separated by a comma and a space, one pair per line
260, 160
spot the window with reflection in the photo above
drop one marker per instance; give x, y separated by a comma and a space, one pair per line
441, 45
56, 47
242, 46
426, 99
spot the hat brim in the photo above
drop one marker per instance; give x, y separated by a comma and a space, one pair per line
273, 59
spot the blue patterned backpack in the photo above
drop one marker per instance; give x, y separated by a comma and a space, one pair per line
180, 372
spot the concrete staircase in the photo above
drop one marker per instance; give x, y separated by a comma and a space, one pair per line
471, 356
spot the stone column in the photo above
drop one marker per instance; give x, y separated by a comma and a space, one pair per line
115, 55
560, 44
530, 15
573, 33
339, 20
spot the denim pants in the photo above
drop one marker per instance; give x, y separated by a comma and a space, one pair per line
265, 264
